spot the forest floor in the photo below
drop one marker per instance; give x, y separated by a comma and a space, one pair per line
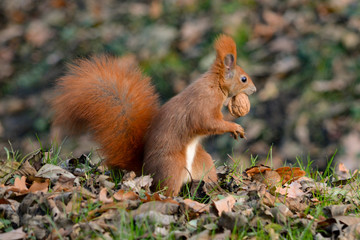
42, 197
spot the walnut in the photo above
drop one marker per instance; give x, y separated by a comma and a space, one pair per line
239, 105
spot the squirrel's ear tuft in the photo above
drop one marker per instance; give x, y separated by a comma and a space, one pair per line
225, 46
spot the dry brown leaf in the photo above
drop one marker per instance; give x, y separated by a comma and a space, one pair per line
64, 184
103, 181
142, 182
170, 200
114, 205
348, 220
196, 206
269, 178
233, 220
225, 204
7, 169
69, 207
256, 169
103, 196
337, 210
14, 234
289, 174
121, 195
294, 204
19, 186
342, 172
342, 168
347, 181
56, 213
155, 218
53, 172
351, 232
156, 197
149, 198
84, 192
26, 170
40, 186
36, 160
342, 222
293, 190
161, 207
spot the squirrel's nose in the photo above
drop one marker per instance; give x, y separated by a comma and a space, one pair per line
250, 90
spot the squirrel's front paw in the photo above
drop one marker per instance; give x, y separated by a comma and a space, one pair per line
238, 131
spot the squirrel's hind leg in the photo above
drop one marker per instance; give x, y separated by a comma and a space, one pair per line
203, 167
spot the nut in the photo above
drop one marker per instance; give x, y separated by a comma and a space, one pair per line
239, 105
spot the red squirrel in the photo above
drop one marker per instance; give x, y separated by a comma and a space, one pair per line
112, 99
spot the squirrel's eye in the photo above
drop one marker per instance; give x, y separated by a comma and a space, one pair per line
243, 79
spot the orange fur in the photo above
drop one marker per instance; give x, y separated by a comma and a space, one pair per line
117, 103
223, 45
111, 98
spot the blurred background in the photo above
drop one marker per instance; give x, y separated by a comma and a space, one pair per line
303, 56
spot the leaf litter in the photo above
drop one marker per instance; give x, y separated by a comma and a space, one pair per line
45, 201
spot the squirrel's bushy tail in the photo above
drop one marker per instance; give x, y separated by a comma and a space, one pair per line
112, 99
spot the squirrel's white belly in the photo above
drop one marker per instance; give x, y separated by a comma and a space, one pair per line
190, 155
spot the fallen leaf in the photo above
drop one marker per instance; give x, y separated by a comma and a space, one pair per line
104, 208
142, 182
40, 186
14, 234
225, 204
294, 204
149, 198
122, 195
351, 232
56, 213
233, 220
161, 207
195, 206
19, 186
256, 170
348, 220
343, 169
293, 190
281, 213
64, 184
53, 172
269, 178
84, 192
26, 169
7, 169
153, 217
289, 174
103, 196
337, 210
103, 181
36, 160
